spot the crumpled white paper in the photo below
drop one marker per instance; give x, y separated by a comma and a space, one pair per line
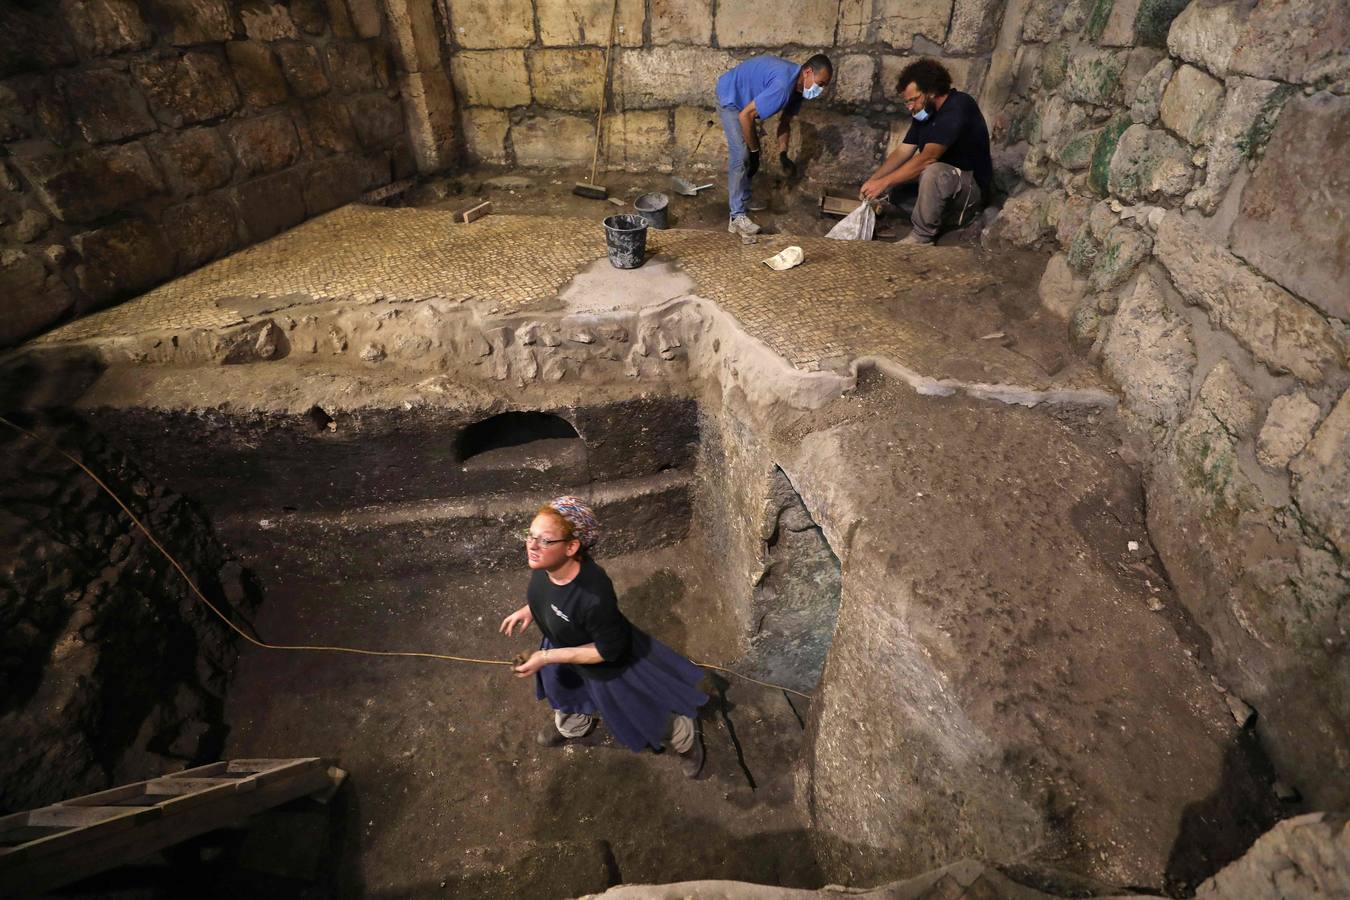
857, 225
785, 259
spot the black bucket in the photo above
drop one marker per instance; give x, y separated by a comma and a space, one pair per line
626, 240
652, 207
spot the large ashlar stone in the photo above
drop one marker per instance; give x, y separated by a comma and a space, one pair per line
257, 72
90, 185
1190, 104
1296, 42
1148, 95
1278, 329
553, 141
810, 22
1288, 428
1092, 76
265, 143
1303, 244
105, 105
188, 89
350, 68
366, 18
416, 35
492, 24
34, 300
1149, 164
203, 229
270, 204
333, 182
1060, 290
377, 120
327, 126
485, 133
300, 64
566, 79
569, 23
974, 26
1149, 354
430, 106
1207, 33
340, 19
962, 72
267, 22
497, 78
699, 139
854, 75
1250, 108
899, 22
121, 260
104, 27
1322, 477
1123, 249
681, 22
637, 140
194, 161
196, 21
666, 76
826, 144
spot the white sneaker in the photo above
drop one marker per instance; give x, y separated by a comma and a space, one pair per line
742, 225
912, 238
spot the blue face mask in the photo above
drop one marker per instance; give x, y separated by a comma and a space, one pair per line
921, 115
813, 92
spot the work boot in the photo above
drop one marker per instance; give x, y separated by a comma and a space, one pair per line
691, 760
742, 225
912, 238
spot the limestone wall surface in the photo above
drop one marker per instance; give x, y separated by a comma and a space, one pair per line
528, 75
1186, 163
139, 141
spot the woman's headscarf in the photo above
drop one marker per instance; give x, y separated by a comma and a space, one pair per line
585, 526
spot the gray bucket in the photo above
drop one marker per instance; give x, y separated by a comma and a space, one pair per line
652, 207
626, 240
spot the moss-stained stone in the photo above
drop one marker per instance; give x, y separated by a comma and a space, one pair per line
1149, 163
1099, 168
1148, 94
1190, 104
1097, 19
1078, 150
1083, 251
1092, 76
1054, 65
1149, 354
1206, 456
1123, 249
1154, 19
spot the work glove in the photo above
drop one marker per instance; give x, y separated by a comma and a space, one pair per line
789, 167
752, 164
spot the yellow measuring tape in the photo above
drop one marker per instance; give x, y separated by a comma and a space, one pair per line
319, 648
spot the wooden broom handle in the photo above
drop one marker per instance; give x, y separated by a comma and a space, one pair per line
604, 84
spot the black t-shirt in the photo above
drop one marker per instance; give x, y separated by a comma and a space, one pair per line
960, 127
583, 611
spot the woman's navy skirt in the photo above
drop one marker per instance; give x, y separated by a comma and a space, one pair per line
637, 703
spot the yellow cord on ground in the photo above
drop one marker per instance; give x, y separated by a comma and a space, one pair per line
322, 648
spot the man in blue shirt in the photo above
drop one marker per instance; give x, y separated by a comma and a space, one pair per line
945, 154
762, 86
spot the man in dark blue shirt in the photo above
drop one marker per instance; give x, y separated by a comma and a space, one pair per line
945, 153
762, 87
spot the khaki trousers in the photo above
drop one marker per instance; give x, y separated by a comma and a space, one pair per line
947, 195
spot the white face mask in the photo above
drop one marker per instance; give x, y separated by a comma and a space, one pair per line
921, 115
813, 92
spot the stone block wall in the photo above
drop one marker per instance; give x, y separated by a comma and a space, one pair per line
139, 141
528, 75
1186, 164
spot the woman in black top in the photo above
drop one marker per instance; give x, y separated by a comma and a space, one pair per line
592, 661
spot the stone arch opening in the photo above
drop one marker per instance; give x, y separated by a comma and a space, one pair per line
510, 436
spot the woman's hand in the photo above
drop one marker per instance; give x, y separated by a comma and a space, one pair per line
538, 659
522, 617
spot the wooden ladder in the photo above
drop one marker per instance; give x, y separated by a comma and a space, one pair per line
45, 848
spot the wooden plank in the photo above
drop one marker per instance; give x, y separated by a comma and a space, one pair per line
474, 213
267, 770
20, 877
177, 787
836, 204
69, 837
81, 816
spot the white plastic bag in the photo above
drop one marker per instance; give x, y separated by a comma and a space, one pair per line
857, 225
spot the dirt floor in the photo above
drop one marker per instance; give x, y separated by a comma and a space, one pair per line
443, 760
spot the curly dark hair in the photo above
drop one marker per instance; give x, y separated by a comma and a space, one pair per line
929, 75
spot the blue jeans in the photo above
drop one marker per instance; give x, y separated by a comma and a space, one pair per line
738, 183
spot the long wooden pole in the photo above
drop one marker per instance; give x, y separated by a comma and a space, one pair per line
604, 87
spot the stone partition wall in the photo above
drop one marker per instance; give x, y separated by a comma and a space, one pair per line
139, 141
528, 74
1187, 165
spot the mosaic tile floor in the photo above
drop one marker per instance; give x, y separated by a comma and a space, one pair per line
816, 314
